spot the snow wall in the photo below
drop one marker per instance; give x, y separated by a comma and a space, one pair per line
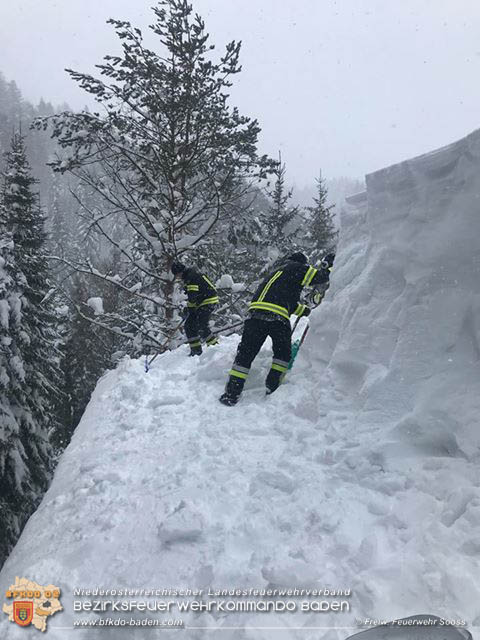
361, 472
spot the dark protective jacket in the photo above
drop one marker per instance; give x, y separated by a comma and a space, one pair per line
199, 289
279, 293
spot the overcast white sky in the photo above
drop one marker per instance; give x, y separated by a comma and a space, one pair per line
349, 86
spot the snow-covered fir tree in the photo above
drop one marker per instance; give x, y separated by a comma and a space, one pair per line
321, 234
166, 153
16, 113
28, 378
86, 357
61, 239
280, 220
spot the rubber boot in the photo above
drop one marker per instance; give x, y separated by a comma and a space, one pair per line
233, 390
227, 400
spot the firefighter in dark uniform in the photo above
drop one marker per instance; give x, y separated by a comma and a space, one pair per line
202, 298
275, 300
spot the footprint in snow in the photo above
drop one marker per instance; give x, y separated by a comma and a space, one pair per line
165, 400
183, 525
276, 480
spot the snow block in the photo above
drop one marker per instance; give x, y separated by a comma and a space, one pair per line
183, 525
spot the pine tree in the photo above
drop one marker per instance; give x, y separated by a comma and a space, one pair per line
86, 352
280, 221
86, 357
10, 445
28, 379
61, 431
17, 114
322, 234
60, 237
168, 154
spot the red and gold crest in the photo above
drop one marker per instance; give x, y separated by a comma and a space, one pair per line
23, 612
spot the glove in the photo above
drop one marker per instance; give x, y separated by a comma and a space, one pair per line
302, 310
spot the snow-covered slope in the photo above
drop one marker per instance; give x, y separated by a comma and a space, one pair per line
361, 472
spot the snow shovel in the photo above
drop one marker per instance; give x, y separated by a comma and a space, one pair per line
296, 346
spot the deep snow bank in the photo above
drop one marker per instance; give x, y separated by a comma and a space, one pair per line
360, 472
403, 331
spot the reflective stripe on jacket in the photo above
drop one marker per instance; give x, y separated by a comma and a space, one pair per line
199, 288
280, 292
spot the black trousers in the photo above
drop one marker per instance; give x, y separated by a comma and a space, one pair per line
197, 326
255, 333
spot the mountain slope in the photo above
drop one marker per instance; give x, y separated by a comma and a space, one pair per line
360, 472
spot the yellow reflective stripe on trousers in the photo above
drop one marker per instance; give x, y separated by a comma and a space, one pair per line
213, 300
268, 285
192, 287
299, 310
311, 271
278, 367
268, 306
238, 374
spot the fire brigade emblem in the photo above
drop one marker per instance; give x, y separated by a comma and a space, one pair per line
31, 603
23, 612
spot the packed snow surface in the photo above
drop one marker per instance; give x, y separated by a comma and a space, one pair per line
361, 472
